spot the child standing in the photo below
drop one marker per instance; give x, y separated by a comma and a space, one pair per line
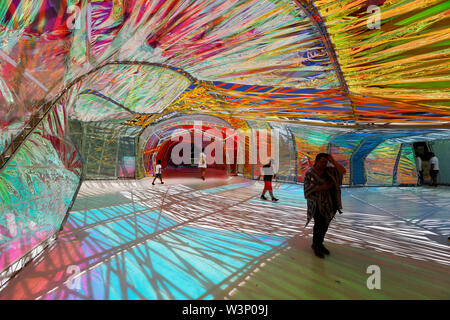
202, 164
158, 172
267, 172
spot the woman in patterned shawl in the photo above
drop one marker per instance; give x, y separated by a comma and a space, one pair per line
323, 194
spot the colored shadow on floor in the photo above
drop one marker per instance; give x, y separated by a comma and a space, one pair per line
218, 240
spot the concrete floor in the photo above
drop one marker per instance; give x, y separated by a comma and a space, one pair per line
190, 239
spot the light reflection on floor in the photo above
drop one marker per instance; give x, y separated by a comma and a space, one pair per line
218, 240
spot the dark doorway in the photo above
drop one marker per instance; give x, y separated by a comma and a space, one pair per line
421, 148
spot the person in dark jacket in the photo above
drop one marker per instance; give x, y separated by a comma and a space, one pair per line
323, 194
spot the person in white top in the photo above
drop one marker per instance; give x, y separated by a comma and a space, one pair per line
158, 172
202, 164
419, 169
268, 173
433, 167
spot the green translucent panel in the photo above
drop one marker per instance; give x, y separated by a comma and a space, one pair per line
107, 148
442, 150
93, 108
380, 163
406, 170
116, 91
36, 188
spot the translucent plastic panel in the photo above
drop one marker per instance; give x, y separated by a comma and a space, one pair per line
287, 156
249, 140
138, 88
259, 142
367, 145
254, 42
8, 133
107, 148
406, 170
442, 150
393, 49
33, 50
264, 102
359, 155
23, 84
309, 142
148, 153
36, 188
106, 19
257, 42
261, 42
89, 107
380, 164
100, 155
343, 147
270, 142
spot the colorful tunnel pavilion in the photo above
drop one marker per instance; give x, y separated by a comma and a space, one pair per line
92, 94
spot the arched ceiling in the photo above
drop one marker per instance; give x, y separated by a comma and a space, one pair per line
406, 58
298, 61
118, 91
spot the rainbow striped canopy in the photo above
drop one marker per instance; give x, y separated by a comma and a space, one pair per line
346, 62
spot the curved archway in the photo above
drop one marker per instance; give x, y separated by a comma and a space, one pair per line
158, 142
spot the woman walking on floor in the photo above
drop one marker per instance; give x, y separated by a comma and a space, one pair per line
322, 188
268, 174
